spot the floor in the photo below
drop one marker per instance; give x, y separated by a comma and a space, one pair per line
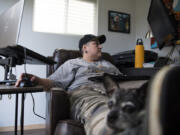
27, 132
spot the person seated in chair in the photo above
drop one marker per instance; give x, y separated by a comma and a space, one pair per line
75, 72
86, 97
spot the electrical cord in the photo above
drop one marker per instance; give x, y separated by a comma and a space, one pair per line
171, 51
25, 57
34, 108
178, 50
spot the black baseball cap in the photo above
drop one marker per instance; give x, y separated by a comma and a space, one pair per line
89, 37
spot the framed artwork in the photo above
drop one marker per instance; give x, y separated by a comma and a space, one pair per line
118, 22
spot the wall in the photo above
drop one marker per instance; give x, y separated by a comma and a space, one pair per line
116, 42
141, 11
45, 44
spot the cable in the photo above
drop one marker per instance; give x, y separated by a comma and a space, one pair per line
177, 50
25, 57
171, 51
34, 108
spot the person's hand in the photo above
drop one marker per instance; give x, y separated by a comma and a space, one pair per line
32, 78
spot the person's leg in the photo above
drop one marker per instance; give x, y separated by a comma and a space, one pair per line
90, 108
163, 107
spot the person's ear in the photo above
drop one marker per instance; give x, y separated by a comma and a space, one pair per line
84, 48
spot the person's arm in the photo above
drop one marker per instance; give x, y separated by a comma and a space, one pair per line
63, 76
46, 83
60, 78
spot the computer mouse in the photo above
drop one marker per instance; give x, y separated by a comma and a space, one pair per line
26, 82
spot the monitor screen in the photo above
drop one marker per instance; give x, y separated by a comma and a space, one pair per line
10, 21
162, 24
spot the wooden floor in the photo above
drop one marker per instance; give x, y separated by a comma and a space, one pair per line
27, 132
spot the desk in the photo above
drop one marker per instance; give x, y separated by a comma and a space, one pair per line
17, 90
146, 72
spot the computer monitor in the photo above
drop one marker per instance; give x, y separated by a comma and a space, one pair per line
13, 53
10, 25
10, 21
162, 24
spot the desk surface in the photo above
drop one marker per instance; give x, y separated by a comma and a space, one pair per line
13, 90
140, 72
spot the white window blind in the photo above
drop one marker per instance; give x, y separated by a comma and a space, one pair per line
64, 16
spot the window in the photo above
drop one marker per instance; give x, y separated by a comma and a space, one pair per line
64, 16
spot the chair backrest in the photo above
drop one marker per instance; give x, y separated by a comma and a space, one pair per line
62, 55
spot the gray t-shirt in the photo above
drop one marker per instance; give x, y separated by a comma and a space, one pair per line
75, 72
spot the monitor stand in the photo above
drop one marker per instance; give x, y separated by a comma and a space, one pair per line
8, 64
18, 55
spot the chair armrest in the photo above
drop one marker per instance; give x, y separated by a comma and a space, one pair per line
57, 108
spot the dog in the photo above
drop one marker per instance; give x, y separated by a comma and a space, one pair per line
126, 107
127, 113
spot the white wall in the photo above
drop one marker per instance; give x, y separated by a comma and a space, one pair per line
45, 44
141, 11
116, 42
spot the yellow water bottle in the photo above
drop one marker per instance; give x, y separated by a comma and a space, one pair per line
139, 54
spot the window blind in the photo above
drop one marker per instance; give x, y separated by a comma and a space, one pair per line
64, 16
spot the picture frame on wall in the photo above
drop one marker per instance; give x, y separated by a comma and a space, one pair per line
118, 21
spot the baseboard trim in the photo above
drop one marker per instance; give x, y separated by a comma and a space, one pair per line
26, 127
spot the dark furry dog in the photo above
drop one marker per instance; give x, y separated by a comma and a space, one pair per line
127, 111
126, 107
